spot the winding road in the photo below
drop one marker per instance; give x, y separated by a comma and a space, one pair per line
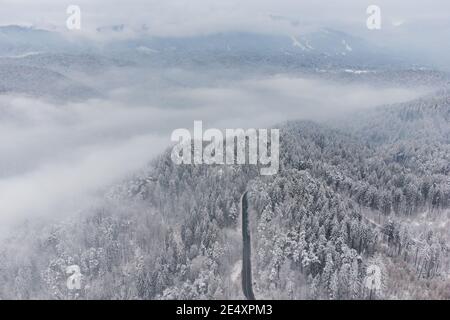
247, 285
247, 282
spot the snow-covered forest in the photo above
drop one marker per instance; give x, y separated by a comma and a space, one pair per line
360, 205
373, 189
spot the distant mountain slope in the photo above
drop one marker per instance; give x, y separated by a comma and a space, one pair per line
325, 53
17, 40
424, 119
41, 82
88, 63
325, 48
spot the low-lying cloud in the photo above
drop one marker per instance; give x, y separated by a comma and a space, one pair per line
56, 158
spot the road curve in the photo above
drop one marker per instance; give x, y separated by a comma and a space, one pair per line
247, 285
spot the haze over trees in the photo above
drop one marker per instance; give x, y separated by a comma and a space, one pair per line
172, 231
355, 189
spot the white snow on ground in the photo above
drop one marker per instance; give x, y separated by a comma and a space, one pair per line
144, 49
23, 55
308, 45
357, 71
236, 272
296, 43
347, 47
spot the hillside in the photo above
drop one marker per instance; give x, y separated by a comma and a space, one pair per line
173, 231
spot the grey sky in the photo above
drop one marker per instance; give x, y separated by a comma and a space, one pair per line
178, 17
415, 26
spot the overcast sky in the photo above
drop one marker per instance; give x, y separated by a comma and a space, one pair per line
204, 16
423, 26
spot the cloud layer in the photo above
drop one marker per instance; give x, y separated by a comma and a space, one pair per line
178, 17
57, 157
